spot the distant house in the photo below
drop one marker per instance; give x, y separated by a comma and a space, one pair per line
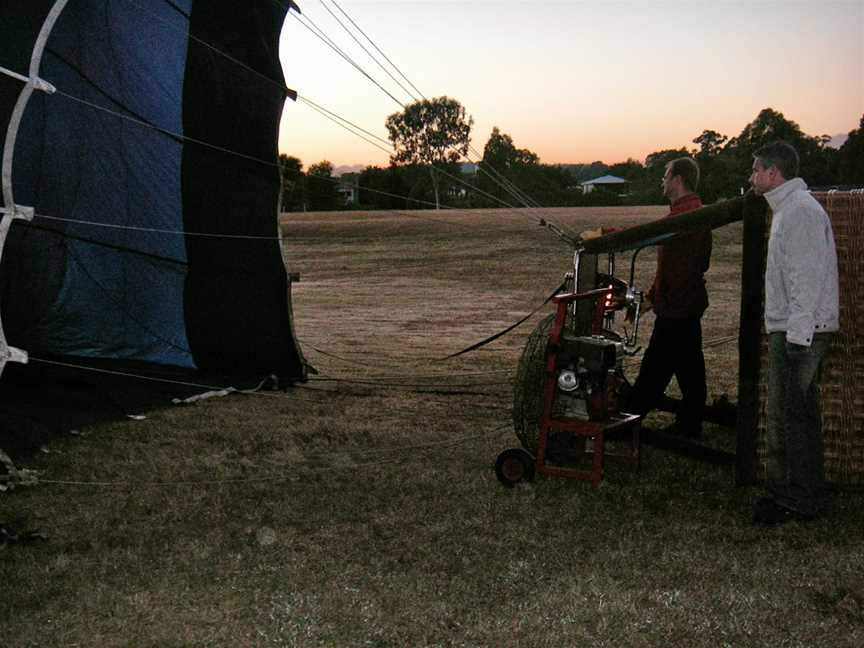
469, 171
348, 187
608, 182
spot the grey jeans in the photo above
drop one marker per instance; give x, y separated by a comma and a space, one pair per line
794, 438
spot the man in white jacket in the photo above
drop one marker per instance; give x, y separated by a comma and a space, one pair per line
801, 313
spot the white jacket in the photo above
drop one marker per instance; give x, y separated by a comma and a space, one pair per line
801, 285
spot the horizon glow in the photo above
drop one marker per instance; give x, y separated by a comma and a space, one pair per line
576, 82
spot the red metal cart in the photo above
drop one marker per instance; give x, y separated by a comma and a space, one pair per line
581, 386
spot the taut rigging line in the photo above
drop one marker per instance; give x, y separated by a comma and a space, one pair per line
492, 173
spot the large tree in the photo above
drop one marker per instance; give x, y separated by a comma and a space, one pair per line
293, 195
851, 158
710, 144
721, 174
383, 188
432, 132
506, 170
502, 154
771, 125
321, 187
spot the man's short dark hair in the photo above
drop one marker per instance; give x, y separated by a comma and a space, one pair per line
779, 154
688, 169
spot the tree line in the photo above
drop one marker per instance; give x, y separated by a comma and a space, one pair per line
430, 137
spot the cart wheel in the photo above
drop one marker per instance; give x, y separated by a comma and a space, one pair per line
513, 466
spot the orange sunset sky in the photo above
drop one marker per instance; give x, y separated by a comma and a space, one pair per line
575, 81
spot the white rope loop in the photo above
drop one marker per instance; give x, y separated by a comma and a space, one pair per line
36, 83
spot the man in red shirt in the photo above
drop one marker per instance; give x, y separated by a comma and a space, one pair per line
679, 299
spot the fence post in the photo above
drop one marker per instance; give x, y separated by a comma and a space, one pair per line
755, 217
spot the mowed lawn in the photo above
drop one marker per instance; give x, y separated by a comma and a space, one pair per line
361, 509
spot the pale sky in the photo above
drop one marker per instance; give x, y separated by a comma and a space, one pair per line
577, 81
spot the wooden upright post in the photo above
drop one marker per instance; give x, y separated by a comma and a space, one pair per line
755, 216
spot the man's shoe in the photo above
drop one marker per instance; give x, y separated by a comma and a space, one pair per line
767, 511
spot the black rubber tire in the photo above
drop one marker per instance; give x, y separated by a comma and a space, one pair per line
513, 466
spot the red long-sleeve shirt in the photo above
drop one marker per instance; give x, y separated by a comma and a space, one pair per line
679, 284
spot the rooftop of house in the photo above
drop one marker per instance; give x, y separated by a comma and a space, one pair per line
606, 179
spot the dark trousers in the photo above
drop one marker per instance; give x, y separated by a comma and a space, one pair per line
675, 349
794, 436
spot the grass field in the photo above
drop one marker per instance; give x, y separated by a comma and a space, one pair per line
361, 509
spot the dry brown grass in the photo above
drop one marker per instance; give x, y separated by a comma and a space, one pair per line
361, 509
